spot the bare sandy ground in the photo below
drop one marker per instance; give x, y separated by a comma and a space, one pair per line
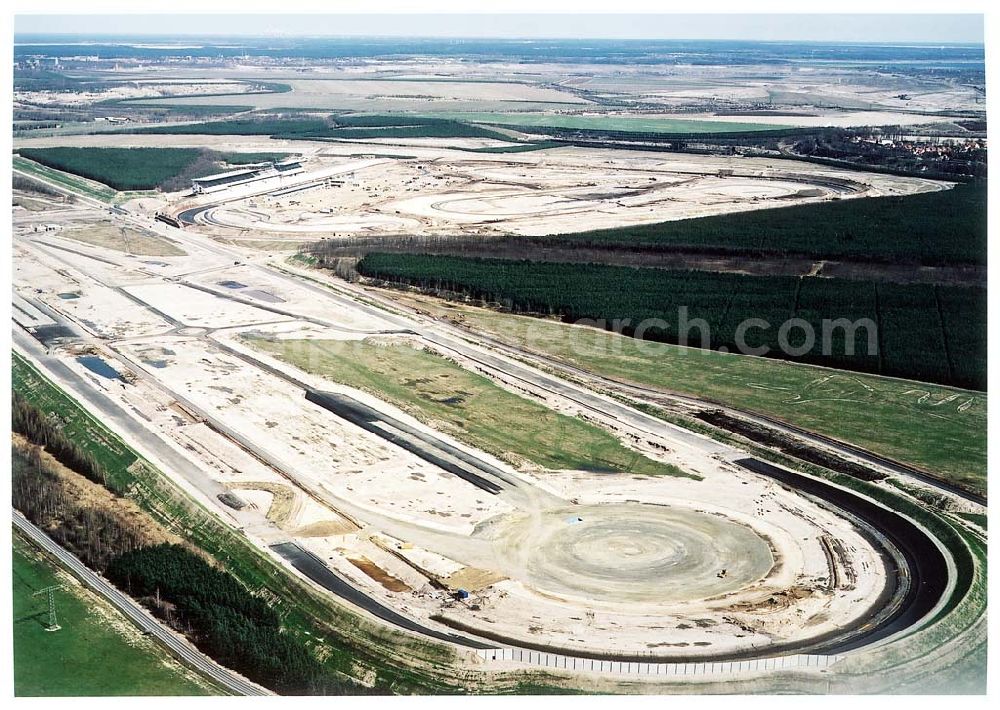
544, 192
573, 559
421, 83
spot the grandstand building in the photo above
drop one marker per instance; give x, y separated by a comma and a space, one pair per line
252, 173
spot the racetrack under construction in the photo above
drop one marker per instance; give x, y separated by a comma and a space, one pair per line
730, 562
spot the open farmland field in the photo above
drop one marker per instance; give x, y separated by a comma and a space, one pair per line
403, 94
651, 307
467, 405
96, 652
609, 123
138, 168
129, 241
941, 430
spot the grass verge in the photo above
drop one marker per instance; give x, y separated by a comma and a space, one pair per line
74, 183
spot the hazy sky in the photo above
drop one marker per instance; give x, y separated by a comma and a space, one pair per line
850, 28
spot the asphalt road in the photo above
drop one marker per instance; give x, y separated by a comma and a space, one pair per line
921, 565
140, 617
113, 416
579, 396
315, 569
430, 448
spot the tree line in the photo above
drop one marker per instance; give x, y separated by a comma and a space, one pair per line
41, 430
234, 626
167, 169
929, 332
335, 127
92, 533
946, 227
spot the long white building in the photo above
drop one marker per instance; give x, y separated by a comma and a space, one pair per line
219, 181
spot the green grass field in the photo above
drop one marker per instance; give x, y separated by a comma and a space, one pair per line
96, 652
466, 405
77, 184
939, 429
606, 123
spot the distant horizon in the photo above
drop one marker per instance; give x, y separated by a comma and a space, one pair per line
190, 37
875, 28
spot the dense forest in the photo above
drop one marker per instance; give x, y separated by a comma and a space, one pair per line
166, 169
922, 331
224, 619
92, 533
945, 228
235, 627
336, 127
716, 136
931, 228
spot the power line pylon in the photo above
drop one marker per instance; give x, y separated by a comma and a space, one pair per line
53, 622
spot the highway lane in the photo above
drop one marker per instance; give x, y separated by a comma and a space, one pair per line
826, 442
920, 563
430, 448
357, 596
453, 338
157, 450
142, 619
107, 411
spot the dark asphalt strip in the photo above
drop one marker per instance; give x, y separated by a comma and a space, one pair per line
189, 216
386, 427
315, 569
926, 566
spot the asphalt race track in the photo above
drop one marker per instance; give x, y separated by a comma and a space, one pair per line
925, 565
315, 569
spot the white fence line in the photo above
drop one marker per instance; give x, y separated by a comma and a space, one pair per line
572, 663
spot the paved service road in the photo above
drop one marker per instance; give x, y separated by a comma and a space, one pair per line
140, 617
315, 569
